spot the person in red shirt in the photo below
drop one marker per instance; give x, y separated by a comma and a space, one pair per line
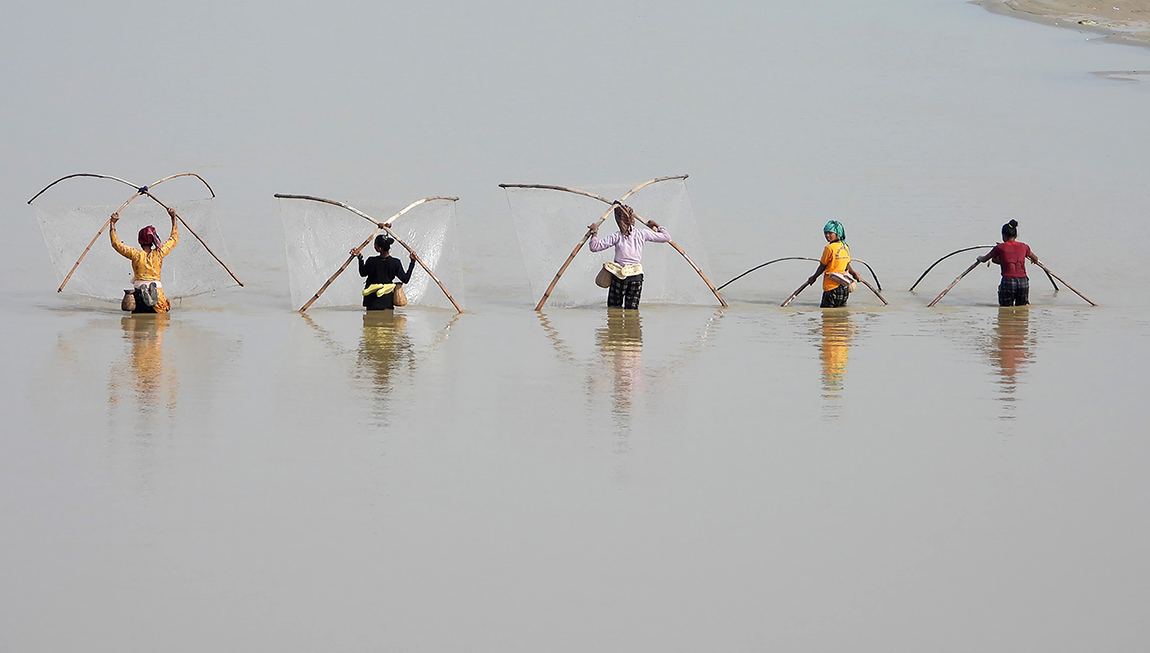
1011, 255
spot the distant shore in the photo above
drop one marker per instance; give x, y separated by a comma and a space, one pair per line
1124, 21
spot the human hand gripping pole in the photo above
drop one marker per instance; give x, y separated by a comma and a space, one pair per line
380, 226
593, 229
140, 190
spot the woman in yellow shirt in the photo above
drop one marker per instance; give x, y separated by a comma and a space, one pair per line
835, 265
146, 264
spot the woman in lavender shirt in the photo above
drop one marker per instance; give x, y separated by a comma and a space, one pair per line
627, 269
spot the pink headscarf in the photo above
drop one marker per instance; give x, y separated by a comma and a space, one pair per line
148, 236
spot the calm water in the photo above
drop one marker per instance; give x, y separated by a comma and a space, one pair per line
235, 476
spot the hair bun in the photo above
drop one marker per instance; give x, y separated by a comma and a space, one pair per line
1013, 223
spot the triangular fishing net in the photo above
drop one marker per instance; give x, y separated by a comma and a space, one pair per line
318, 238
188, 270
550, 223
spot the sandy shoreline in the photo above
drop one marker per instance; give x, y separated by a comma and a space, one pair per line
1124, 21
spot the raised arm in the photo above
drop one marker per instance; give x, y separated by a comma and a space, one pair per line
405, 276
598, 244
658, 233
118, 244
174, 237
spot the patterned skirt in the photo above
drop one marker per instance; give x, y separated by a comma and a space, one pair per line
1014, 291
835, 298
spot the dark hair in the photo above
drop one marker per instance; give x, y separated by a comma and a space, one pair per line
384, 242
1010, 230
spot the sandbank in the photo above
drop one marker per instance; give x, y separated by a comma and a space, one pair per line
1122, 21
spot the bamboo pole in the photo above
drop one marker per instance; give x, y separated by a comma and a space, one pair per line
932, 265
796, 293
876, 293
385, 225
1064, 283
575, 252
872, 274
82, 174
763, 265
959, 251
954, 283
140, 190
93, 241
197, 236
722, 302
340, 270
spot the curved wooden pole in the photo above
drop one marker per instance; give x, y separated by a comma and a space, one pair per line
284, 196
574, 252
876, 293
1064, 283
82, 174
763, 265
953, 283
340, 270
183, 174
722, 302
584, 193
957, 251
385, 225
197, 236
140, 190
876, 281
795, 294
93, 241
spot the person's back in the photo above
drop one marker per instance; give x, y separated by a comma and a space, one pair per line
1011, 255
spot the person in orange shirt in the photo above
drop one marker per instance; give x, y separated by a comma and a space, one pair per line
146, 264
835, 266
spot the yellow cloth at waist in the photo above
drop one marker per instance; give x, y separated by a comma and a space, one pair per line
623, 271
379, 289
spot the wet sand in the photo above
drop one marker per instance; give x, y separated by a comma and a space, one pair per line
1124, 21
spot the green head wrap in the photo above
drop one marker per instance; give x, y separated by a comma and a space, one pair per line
835, 227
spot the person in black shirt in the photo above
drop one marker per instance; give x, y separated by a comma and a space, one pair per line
382, 270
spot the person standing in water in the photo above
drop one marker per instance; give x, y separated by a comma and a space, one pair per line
146, 264
835, 266
627, 269
382, 272
1011, 255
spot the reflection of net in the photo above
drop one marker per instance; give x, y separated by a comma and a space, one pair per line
188, 270
550, 223
319, 236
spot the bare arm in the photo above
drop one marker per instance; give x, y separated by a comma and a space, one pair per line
852, 272
815, 276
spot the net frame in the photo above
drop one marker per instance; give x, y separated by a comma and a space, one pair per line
603, 217
42, 217
384, 226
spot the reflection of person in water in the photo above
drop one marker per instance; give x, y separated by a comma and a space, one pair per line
384, 347
834, 351
621, 345
1010, 347
145, 362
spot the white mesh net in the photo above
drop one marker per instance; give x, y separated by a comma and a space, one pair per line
550, 223
188, 270
318, 238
